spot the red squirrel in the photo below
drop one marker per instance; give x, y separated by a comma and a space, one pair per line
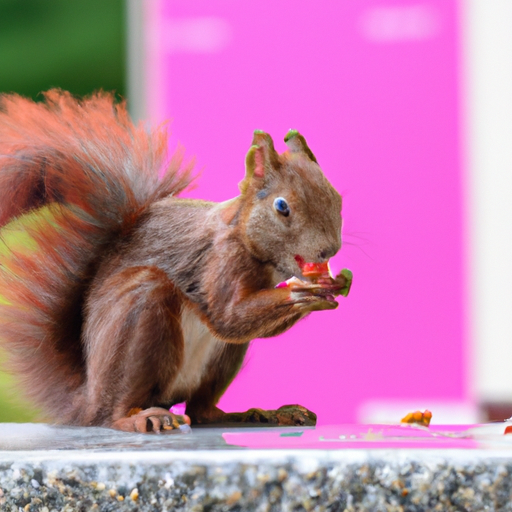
135, 299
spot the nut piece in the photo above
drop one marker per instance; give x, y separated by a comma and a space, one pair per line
418, 418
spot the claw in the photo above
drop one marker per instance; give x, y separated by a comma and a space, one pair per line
154, 419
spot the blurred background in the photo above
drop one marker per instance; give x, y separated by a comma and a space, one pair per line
407, 107
78, 46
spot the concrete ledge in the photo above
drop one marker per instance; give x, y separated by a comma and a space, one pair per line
98, 469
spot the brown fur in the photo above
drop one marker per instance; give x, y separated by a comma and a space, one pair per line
136, 299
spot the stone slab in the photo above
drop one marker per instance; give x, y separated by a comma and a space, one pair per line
331, 468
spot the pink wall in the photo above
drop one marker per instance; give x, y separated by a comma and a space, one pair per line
373, 86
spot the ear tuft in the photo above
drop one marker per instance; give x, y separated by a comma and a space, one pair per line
297, 144
260, 159
263, 139
290, 135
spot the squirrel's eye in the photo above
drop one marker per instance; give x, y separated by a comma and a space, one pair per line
281, 206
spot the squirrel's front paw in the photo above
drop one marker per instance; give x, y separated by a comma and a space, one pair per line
152, 420
306, 302
308, 296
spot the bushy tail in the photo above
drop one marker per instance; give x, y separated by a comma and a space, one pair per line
86, 172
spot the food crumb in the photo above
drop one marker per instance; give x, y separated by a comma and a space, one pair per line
418, 418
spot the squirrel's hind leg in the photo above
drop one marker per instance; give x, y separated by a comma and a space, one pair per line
285, 416
202, 407
134, 346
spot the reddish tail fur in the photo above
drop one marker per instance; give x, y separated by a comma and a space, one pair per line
95, 172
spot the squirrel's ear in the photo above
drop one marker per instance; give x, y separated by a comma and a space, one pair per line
297, 144
261, 158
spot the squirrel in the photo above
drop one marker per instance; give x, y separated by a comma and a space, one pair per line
135, 299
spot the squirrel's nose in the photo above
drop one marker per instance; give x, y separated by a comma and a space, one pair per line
328, 252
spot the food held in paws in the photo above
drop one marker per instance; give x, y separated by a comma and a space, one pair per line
316, 270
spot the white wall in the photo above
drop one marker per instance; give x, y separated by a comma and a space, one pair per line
487, 47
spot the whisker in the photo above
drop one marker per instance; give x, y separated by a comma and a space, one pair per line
358, 247
357, 234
